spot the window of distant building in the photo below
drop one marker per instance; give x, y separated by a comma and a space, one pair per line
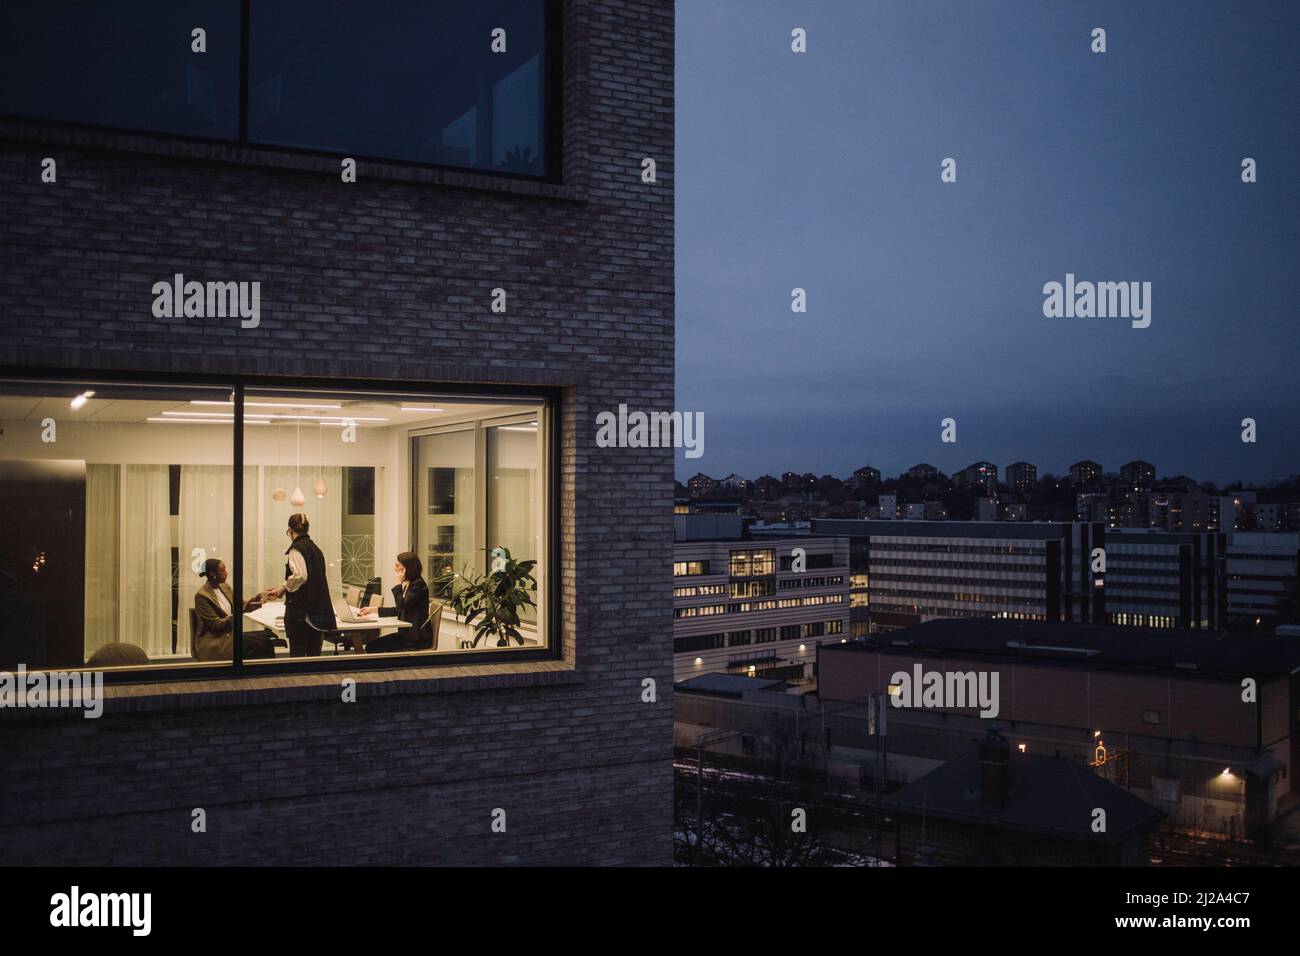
752, 563
814, 561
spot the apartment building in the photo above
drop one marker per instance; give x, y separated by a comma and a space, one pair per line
1268, 517
982, 475
1232, 512
756, 605
1084, 474
1137, 475
1022, 477
381, 267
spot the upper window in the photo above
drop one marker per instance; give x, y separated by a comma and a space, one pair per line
125, 65
459, 83
412, 81
372, 523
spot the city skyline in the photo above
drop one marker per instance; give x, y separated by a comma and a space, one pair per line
888, 474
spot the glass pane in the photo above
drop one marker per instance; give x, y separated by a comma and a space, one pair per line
129, 65
409, 81
445, 507
365, 505
103, 552
513, 512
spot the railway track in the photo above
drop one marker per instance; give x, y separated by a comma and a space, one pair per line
850, 820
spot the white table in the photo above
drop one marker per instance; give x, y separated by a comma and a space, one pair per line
271, 617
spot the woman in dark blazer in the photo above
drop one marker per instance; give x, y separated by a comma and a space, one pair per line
411, 604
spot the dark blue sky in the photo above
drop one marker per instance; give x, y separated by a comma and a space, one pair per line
925, 299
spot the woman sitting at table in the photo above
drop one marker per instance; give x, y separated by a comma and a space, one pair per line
411, 597
215, 638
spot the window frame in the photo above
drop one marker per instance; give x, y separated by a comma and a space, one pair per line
552, 122
549, 412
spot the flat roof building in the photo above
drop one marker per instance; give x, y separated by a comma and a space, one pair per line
1263, 572
1165, 713
1166, 579
906, 572
754, 605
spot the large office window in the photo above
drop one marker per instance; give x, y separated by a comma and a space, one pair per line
127, 65
111, 506
365, 516
461, 83
453, 485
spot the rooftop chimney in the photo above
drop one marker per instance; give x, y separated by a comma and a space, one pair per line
995, 759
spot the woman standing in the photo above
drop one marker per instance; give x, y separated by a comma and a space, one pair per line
308, 610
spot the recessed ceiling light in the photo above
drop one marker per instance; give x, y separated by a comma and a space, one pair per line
224, 415
201, 421
270, 405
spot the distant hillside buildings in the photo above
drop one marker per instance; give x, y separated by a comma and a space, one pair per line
1132, 498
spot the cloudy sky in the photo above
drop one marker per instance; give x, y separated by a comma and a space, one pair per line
925, 300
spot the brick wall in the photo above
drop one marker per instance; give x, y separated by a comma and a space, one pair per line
580, 764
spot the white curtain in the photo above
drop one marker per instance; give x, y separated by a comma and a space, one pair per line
128, 558
145, 532
102, 499
206, 510
325, 516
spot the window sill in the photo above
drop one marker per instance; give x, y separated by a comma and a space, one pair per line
51, 134
297, 688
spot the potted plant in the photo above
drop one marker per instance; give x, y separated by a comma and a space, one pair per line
491, 603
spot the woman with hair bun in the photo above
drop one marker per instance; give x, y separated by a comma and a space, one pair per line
308, 610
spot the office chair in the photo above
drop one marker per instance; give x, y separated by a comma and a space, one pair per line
373, 586
335, 637
435, 622
118, 654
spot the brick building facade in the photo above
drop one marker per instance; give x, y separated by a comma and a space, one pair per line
413, 770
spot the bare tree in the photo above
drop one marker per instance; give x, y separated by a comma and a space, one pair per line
776, 818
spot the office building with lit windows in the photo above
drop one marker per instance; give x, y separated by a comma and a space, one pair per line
906, 572
1166, 579
752, 605
1263, 571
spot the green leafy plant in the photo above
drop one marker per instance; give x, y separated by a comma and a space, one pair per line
492, 603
